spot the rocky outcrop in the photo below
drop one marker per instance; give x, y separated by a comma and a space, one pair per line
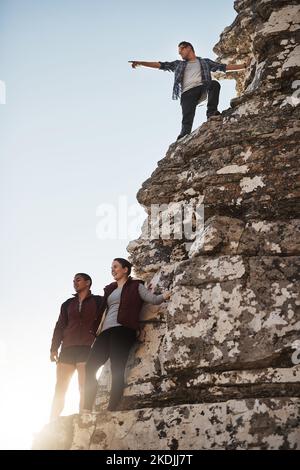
218, 366
232, 424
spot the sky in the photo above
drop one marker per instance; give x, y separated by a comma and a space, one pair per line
80, 131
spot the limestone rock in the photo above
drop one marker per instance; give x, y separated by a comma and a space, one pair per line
218, 365
235, 424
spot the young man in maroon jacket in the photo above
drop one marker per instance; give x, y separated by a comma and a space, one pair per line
74, 332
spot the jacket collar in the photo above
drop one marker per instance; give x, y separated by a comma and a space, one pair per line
114, 284
88, 295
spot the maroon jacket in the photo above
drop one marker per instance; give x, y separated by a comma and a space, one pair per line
130, 303
75, 328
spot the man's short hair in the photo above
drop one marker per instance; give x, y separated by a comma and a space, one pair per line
185, 44
85, 276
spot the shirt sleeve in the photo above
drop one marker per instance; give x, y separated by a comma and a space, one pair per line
101, 304
214, 66
59, 329
147, 296
168, 66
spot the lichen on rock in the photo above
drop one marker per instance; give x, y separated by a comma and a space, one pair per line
216, 368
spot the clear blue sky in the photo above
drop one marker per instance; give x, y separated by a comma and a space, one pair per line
80, 128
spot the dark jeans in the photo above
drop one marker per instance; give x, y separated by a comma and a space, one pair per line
189, 101
114, 344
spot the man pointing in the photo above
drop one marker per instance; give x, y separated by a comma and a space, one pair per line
192, 82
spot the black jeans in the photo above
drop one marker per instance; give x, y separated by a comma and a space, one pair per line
189, 101
114, 344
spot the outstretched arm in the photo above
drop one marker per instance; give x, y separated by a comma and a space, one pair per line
136, 63
235, 67
151, 298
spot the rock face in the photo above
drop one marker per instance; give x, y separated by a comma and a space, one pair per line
218, 366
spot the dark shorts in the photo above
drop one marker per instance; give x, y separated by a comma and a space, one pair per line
74, 354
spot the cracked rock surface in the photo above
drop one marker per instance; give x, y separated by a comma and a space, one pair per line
218, 365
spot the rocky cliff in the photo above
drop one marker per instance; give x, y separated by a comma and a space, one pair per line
218, 366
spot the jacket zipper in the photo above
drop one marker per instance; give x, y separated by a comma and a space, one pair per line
80, 318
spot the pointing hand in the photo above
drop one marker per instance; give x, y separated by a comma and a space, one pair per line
134, 63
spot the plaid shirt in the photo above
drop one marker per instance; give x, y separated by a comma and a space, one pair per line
178, 67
